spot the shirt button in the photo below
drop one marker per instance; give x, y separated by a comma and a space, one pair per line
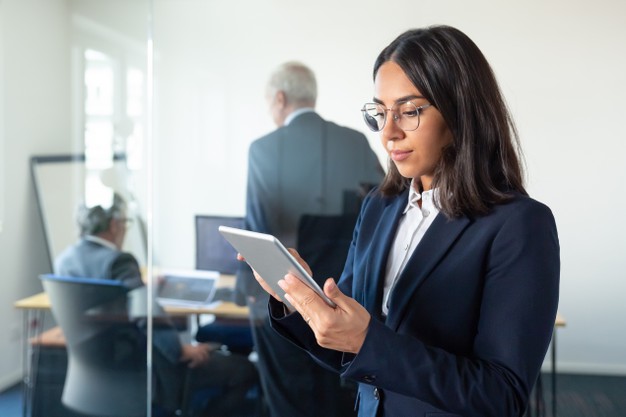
376, 394
406, 247
425, 213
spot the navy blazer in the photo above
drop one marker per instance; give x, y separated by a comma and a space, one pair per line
470, 318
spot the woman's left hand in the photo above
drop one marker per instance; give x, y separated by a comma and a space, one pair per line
342, 328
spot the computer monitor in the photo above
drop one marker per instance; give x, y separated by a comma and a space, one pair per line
213, 252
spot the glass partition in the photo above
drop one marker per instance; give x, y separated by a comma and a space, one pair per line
132, 317
166, 98
94, 201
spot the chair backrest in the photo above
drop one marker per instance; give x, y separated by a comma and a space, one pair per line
106, 373
324, 241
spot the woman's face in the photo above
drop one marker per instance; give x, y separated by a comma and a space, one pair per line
415, 153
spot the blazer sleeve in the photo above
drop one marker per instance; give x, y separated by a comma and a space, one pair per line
125, 268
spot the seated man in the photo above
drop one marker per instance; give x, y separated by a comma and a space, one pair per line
98, 255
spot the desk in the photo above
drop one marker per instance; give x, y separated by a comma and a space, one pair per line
52, 338
36, 305
40, 303
226, 309
34, 308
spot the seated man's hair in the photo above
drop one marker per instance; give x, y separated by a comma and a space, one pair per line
95, 220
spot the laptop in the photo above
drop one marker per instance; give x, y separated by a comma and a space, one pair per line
187, 288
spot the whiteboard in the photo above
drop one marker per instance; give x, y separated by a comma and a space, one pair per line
60, 183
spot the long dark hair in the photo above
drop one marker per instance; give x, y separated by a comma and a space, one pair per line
481, 167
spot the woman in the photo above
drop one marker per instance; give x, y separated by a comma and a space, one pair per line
448, 298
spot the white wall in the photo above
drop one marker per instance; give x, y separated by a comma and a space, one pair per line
35, 69
560, 63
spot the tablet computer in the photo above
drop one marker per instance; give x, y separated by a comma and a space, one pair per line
270, 259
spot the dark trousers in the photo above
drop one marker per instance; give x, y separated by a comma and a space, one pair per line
217, 388
293, 384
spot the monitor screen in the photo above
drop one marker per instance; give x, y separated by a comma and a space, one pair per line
213, 252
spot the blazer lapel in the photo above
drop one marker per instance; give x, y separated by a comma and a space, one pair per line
433, 246
382, 238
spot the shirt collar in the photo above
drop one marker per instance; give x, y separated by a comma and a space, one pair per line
428, 199
297, 113
100, 241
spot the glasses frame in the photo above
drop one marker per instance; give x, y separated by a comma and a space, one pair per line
394, 115
127, 221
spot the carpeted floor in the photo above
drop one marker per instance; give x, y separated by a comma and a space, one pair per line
11, 402
581, 396
578, 396
586, 395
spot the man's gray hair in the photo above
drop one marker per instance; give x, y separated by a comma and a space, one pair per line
297, 81
95, 220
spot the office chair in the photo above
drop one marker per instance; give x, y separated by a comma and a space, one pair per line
106, 372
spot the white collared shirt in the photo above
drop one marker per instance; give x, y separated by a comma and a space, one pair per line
412, 227
297, 113
100, 241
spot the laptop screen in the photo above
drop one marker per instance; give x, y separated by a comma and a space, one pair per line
187, 287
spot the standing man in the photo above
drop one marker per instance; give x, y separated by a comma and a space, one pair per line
98, 255
306, 166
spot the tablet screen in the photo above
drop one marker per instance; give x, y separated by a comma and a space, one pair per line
269, 258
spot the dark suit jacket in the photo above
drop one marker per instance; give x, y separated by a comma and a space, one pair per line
305, 167
470, 318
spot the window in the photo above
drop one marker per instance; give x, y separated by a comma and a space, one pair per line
114, 118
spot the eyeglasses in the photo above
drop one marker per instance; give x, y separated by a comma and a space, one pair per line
127, 222
406, 115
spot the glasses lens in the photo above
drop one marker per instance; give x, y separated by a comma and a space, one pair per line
407, 116
374, 116
127, 222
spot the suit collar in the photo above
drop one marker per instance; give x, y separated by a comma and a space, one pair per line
384, 234
435, 244
100, 241
294, 114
